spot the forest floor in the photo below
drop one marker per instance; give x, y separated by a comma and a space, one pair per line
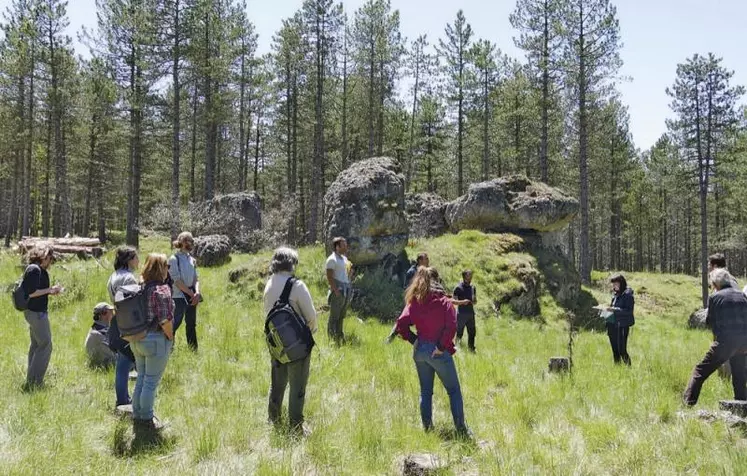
362, 398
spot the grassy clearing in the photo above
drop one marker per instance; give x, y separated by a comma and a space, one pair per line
363, 398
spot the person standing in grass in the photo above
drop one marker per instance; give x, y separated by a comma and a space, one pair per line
429, 309
98, 350
36, 286
465, 296
126, 262
621, 318
338, 277
186, 287
727, 318
422, 260
282, 267
152, 351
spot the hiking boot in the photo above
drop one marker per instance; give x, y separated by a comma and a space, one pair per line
154, 425
301, 430
465, 433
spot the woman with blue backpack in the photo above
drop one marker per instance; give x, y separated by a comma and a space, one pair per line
283, 289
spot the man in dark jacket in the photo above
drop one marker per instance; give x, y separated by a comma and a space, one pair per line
422, 261
727, 317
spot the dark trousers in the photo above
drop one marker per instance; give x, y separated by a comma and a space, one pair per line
467, 319
298, 374
734, 351
338, 309
619, 342
183, 311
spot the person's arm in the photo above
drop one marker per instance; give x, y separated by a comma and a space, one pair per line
31, 284
450, 328
164, 310
624, 308
457, 300
474, 295
197, 293
306, 305
331, 281
709, 320
404, 322
175, 272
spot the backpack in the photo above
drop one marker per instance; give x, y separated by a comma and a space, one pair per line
20, 298
131, 303
287, 334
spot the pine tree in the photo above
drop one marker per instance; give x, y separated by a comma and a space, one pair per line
705, 103
454, 51
538, 23
591, 46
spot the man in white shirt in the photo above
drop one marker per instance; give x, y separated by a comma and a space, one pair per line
284, 262
338, 276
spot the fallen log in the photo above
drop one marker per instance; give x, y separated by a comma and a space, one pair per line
81, 247
76, 241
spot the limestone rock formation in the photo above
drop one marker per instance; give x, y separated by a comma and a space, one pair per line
366, 205
236, 215
512, 203
212, 250
426, 214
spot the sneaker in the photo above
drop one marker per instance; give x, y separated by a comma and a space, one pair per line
124, 409
132, 375
472, 349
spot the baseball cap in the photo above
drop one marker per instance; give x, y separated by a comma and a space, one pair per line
101, 307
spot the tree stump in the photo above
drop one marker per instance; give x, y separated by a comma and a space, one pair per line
422, 465
737, 407
559, 364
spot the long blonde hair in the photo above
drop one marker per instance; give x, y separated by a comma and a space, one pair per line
156, 267
421, 285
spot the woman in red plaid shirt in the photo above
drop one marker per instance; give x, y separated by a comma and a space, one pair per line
153, 351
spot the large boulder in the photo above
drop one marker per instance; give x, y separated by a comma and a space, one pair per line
366, 205
212, 250
511, 204
697, 319
426, 214
236, 215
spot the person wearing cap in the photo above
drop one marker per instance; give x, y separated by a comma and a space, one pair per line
97, 340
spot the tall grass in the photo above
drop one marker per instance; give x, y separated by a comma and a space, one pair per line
362, 399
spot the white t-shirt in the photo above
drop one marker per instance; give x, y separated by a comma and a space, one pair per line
339, 264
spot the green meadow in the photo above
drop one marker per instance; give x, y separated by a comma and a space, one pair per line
362, 398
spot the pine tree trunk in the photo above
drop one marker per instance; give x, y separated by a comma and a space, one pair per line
176, 125
585, 265
544, 172
371, 89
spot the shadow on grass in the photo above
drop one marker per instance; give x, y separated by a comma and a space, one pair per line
126, 443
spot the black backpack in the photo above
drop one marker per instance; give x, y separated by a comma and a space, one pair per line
20, 298
131, 303
288, 336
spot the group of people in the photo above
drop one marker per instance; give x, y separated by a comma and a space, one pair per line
172, 290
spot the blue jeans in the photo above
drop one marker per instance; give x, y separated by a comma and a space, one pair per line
151, 356
122, 370
443, 366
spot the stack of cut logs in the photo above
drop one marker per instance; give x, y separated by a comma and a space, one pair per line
81, 247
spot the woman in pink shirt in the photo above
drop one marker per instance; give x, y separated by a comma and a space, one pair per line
434, 317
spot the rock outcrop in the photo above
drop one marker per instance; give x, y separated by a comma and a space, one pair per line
212, 250
366, 205
426, 214
697, 319
236, 215
511, 204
